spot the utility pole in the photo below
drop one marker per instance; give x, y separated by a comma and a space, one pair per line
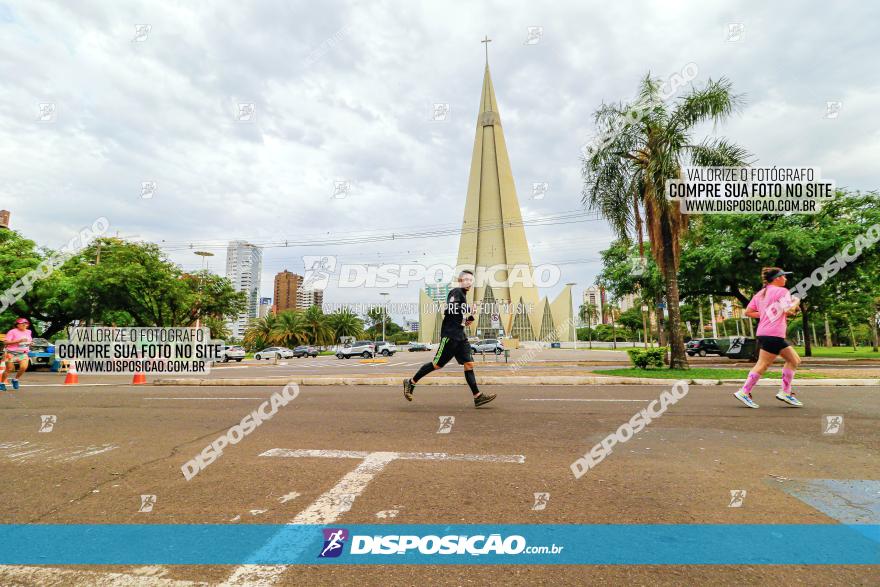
204, 255
384, 312
702, 326
712, 315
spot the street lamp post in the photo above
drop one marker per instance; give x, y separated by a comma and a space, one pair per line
385, 295
204, 255
574, 337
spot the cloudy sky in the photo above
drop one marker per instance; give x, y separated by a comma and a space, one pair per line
345, 91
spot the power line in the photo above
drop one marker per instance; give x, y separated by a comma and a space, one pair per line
555, 220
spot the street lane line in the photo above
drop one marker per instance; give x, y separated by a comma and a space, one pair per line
25, 386
339, 499
200, 398
575, 399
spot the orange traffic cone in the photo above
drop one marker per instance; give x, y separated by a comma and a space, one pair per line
72, 378
139, 379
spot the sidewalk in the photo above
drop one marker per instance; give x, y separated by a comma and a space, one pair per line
494, 380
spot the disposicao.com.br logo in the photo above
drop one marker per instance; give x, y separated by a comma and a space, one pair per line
431, 544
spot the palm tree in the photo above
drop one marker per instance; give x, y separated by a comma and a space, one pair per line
319, 332
259, 332
614, 314
290, 329
645, 146
588, 313
218, 327
344, 322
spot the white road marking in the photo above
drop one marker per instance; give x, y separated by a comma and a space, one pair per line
200, 398
288, 497
65, 385
573, 399
339, 499
26, 575
25, 451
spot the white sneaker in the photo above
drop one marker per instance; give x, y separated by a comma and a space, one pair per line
789, 398
746, 398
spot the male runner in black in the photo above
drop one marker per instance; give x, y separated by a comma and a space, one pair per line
453, 342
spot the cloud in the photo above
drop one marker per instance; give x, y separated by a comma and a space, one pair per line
344, 91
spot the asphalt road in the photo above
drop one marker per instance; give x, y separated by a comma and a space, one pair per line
111, 444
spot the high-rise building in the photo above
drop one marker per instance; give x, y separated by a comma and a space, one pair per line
306, 298
265, 307
493, 236
287, 288
628, 302
595, 296
244, 266
291, 295
4, 218
411, 325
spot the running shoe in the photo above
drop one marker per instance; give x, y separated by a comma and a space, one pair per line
483, 399
789, 398
408, 388
746, 398
15, 384
2, 387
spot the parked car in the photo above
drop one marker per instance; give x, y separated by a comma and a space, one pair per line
418, 346
703, 347
274, 352
385, 348
490, 345
41, 353
233, 353
305, 351
363, 348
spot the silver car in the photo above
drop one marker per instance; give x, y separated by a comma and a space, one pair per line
358, 348
233, 353
490, 345
274, 352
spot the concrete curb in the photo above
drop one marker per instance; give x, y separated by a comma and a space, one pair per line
494, 380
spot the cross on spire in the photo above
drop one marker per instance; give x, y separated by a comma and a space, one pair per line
486, 42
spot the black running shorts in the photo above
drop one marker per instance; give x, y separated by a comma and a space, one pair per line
772, 344
448, 348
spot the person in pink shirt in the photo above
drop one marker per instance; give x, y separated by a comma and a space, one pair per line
17, 344
772, 306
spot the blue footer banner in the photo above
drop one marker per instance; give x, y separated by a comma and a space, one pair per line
469, 544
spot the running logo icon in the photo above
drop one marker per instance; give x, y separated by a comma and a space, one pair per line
737, 497
541, 500
147, 503
334, 541
47, 423
318, 270
832, 424
446, 423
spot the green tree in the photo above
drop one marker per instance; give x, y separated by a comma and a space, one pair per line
259, 333
723, 254
218, 327
646, 145
344, 322
290, 329
317, 327
588, 314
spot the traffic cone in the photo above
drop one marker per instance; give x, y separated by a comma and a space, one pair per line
72, 378
139, 379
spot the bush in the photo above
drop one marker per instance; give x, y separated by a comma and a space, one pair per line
647, 358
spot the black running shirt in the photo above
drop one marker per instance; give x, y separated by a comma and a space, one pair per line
454, 314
